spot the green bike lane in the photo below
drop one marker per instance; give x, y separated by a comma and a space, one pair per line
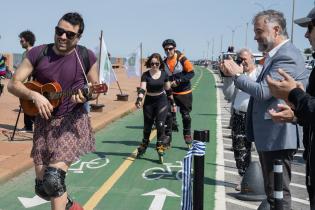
111, 178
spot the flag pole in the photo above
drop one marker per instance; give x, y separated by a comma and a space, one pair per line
140, 58
99, 60
98, 107
117, 81
138, 88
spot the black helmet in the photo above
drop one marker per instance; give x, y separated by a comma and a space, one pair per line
169, 42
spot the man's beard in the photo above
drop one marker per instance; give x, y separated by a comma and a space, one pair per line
266, 46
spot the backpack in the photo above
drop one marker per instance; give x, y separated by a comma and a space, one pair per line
83, 51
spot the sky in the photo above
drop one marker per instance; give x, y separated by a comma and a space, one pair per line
197, 26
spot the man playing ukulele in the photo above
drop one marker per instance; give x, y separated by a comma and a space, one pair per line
63, 133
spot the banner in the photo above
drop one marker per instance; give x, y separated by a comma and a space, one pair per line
132, 64
106, 69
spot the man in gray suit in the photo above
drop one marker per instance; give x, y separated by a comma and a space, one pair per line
273, 140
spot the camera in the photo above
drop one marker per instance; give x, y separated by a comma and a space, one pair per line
238, 60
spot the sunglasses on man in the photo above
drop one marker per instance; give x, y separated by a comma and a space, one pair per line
69, 34
169, 49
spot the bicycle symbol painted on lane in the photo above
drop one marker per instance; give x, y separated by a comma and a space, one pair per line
167, 171
78, 166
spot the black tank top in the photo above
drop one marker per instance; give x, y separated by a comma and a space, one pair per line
154, 85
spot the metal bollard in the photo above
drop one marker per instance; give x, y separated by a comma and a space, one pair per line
198, 182
278, 186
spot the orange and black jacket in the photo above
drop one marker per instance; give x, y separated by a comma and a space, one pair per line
180, 69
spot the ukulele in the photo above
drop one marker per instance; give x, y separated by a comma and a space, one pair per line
53, 92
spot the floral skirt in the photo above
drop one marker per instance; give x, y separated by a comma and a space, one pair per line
63, 138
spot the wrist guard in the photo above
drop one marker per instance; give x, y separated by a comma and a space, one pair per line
178, 81
140, 90
139, 100
169, 92
172, 102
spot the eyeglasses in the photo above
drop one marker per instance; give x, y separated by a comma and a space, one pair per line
169, 49
310, 28
154, 64
69, 34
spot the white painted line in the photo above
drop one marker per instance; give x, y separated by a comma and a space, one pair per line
297, 173
256, 156
230, 161
231, 172
292, 184
241, 203
298, 185
219, 197
250, 206
230, 152
298, 200
293, 172
298, 155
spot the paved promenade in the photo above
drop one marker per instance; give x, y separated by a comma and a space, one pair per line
15, 155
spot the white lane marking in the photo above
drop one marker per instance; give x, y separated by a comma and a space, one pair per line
219, 197
292, 184
241, 203
159, 198
255, 156
298, 200
32, 202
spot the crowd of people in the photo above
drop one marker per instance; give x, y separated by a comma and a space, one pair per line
278, 111
269, 97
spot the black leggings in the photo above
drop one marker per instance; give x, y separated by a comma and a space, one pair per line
154, 108
185, 106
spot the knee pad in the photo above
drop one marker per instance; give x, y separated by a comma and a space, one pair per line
39, 190
160, 125
54, 182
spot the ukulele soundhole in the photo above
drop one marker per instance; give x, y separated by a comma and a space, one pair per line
47, 95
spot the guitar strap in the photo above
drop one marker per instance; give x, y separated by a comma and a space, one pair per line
82, 51
83, 70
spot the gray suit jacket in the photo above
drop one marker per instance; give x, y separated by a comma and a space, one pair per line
270, 136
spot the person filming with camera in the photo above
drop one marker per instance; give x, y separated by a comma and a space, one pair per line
239, 100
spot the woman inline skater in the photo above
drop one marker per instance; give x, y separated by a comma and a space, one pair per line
156, 88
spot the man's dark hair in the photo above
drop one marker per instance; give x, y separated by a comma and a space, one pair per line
74, 19
28, 36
